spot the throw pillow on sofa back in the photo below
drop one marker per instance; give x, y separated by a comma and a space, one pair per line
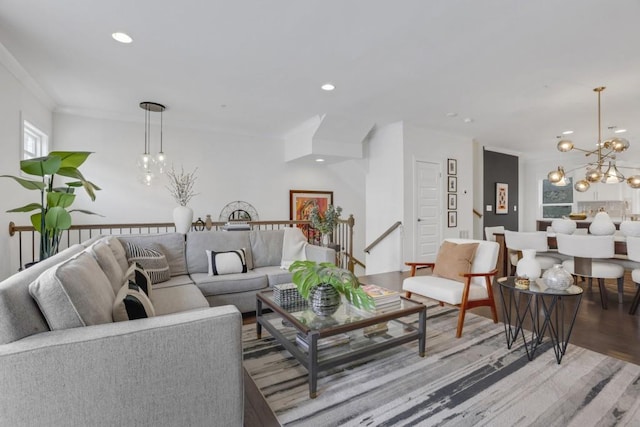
154, 262
227, 262
132, 303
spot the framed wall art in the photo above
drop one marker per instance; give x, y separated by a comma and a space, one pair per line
300, 204
452, 167
452, 219
502, 198
452, 184
452, 201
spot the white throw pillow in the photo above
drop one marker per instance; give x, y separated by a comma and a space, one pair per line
227, 262
132, 303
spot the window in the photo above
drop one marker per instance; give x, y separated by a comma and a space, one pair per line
35, 143
556, 201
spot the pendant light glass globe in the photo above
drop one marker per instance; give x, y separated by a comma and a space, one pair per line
160, 162
144, 162
617, 144
146, 178
594, 175
612, 175
565, 145
634, 181
556, 176
582, 185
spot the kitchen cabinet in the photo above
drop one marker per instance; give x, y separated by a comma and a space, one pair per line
599, 192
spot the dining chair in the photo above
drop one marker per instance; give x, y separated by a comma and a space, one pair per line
489, 232
461, 276
516, 241
633, 253
584, 249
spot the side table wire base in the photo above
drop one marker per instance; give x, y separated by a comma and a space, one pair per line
544, 311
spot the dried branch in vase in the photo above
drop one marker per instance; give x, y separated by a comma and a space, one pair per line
181, 185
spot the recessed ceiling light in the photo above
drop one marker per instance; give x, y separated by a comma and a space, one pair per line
619, 131
319, 160
468, 120
122, 37
328, 87
567, 132
452, 114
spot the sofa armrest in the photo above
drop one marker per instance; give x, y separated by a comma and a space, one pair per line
178, 369
320, 254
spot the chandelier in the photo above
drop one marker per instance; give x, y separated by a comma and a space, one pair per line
603, 168
147, 163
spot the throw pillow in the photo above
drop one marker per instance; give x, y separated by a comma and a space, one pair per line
132, 303
154, 262
227, 262
454, 259
108, 263
74, 293
140, 277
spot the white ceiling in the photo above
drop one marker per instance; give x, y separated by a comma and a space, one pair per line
522, 70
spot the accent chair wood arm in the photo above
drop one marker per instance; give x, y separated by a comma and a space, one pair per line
489, 274
415, 265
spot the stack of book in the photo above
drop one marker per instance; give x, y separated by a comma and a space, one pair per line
383, 298
323, 343
236, 226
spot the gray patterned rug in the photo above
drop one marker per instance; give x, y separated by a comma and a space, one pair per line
471, 381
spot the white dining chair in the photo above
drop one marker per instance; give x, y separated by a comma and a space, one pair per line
517, 241
633, 253
489, 232
584, 249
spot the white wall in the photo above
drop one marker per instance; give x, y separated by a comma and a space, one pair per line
16, 102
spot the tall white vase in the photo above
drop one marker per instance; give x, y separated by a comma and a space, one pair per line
528, 265
183, 218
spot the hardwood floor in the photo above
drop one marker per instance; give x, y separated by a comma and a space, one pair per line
613, 332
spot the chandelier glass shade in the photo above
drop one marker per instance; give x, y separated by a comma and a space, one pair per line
603, 168
148, 164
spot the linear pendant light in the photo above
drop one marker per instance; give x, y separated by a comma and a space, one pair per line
148, 164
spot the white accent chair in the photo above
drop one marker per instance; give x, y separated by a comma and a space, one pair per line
583, 249
633, 253
517, 241
476, 289
490, 232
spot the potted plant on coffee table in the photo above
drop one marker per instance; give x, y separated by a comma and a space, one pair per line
52, 216
323, 283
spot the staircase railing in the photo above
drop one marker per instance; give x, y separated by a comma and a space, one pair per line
26, 241
383, 236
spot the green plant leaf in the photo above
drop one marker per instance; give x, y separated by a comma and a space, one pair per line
71, 159
57, 218
89, 187
27, 183
27, 208
56, 198
36, 221
41, 166
85, 212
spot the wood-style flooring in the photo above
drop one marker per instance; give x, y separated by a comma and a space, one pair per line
613, 332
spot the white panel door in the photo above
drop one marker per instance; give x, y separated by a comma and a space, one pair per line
428, 211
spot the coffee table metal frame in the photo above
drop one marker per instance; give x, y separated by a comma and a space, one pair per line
309, 359
518, 305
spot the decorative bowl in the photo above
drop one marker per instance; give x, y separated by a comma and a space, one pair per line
577, 216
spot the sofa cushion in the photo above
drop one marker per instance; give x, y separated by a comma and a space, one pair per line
230, 283
454, 259
170, 244
266, 247
176, 299
275, 275
132, 303
74, 293
227, 262
154, 262
118, 251
174, 281
20, 316
108, 263
219, 241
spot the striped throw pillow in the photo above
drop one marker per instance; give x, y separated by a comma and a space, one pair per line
154, 262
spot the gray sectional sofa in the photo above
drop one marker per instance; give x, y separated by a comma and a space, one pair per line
181, 367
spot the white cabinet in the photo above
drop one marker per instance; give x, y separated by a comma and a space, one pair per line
599, 192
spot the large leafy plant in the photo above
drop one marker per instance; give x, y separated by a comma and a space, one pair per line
52, 216
309, 274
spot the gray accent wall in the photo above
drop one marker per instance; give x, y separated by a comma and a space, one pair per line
500, 168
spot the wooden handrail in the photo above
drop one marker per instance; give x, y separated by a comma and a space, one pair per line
383, 236
476, 213
27, 239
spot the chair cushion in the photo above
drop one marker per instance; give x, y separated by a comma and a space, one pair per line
601, 270
635, 275
454, 259
441, 289
132, 303
74, 293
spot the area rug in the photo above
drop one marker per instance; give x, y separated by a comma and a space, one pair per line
471, 381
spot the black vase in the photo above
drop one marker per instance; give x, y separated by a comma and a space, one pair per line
324, 300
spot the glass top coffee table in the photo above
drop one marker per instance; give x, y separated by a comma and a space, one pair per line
320, 343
